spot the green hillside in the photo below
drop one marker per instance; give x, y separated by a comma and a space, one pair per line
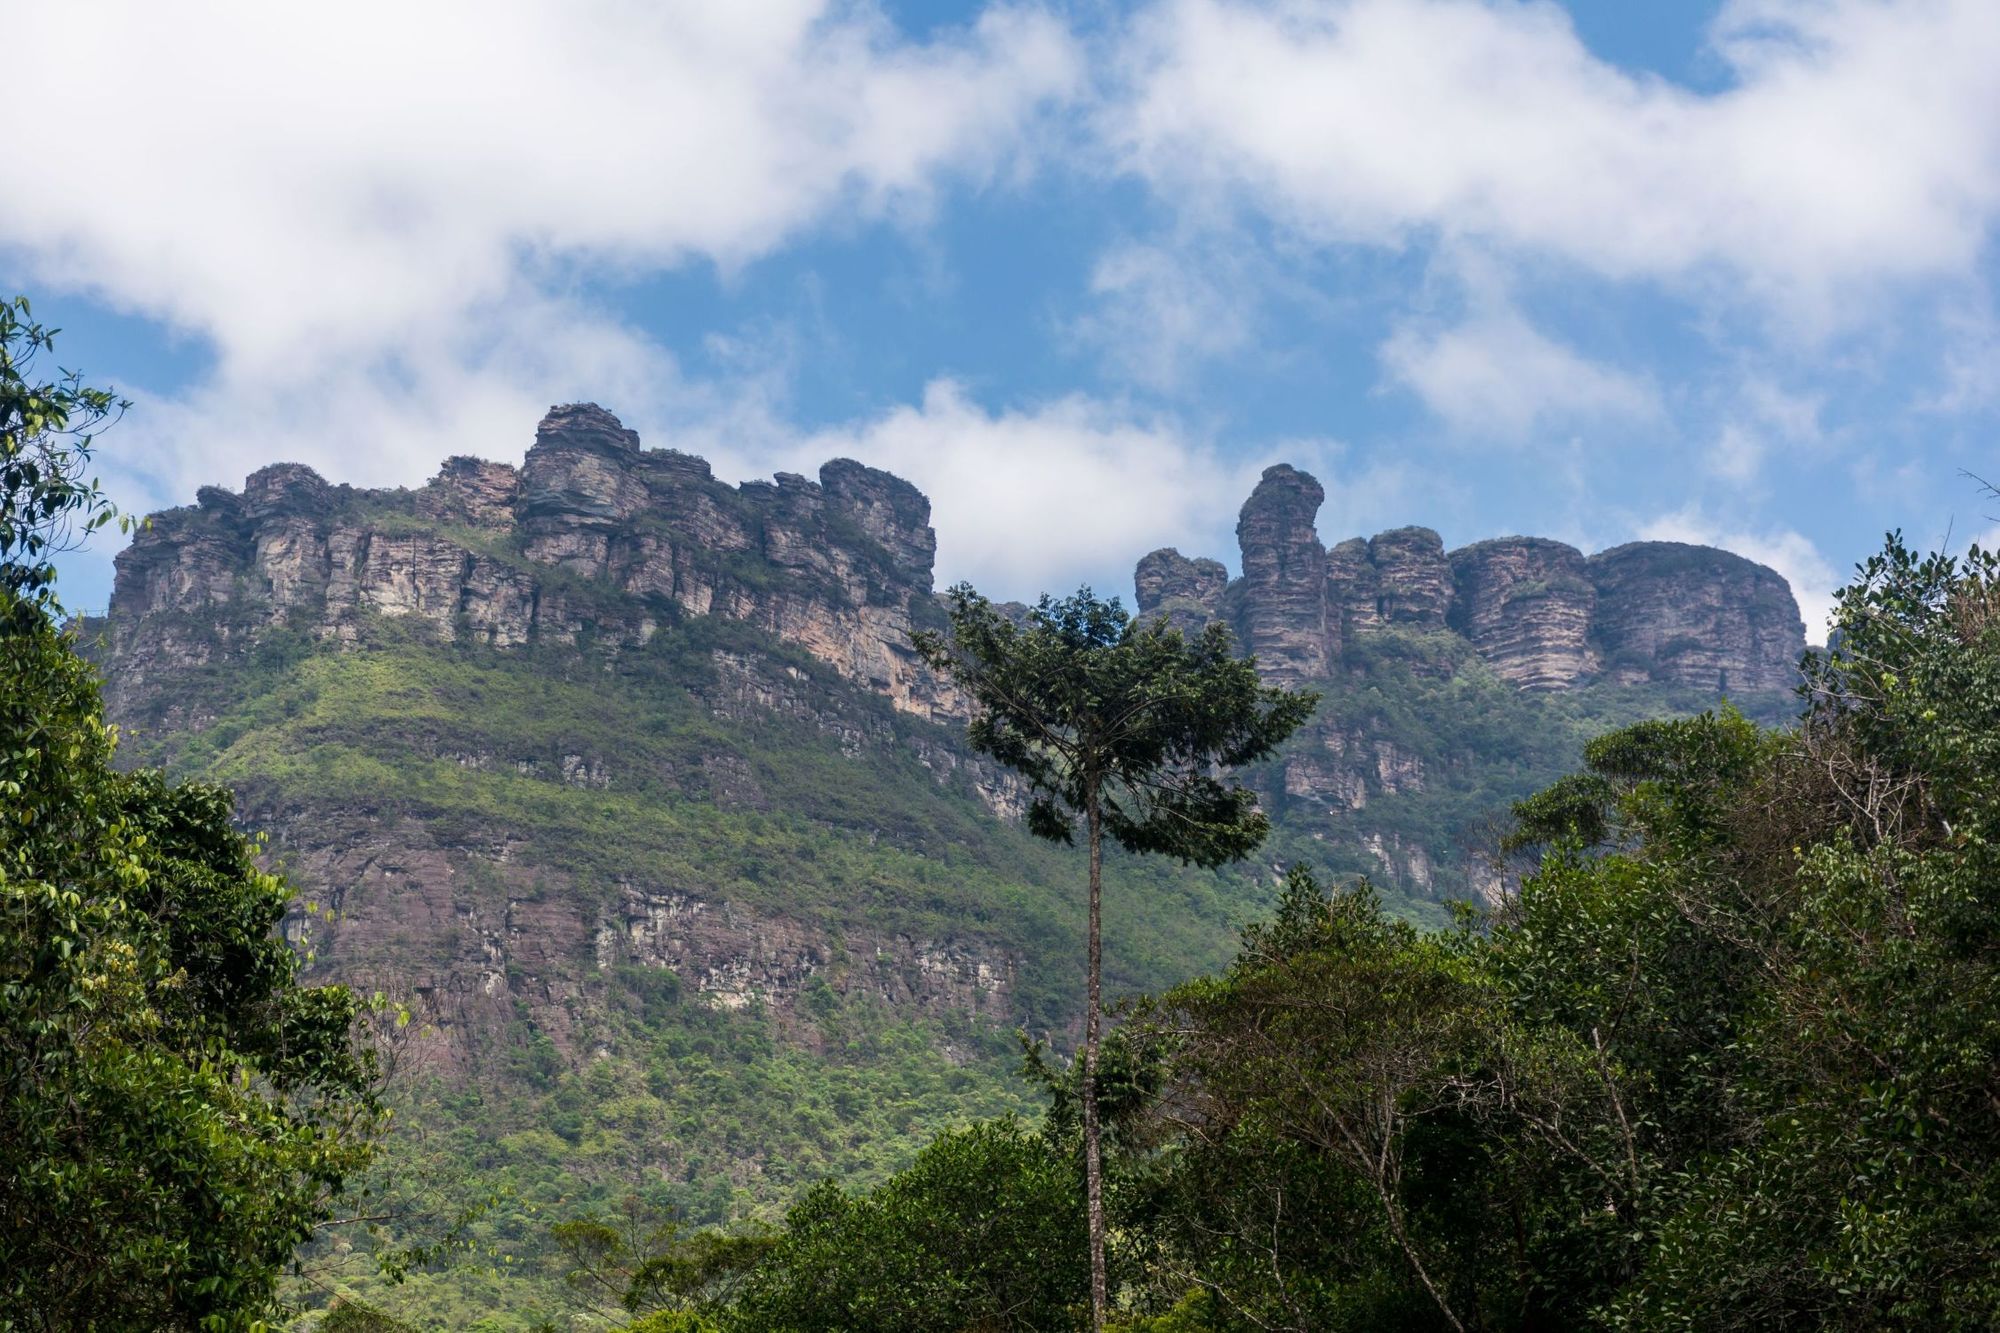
656, 1093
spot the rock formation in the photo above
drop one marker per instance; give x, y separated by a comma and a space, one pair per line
838, 567
1540, 614
595, 545
1527, 605
1412, 578
1695, 615
1187, 592
1283, 611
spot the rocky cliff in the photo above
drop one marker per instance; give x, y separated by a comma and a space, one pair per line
599, 557
1697, 615
594, 537
610, 769
595, 556
1535, 610
1528, 605
1401, 773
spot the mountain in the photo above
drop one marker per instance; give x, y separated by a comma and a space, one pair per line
628, 780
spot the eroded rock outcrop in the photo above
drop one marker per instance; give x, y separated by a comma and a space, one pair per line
840, 567
1187, 592
1413, 583
1283, 607
1697, 615
473, 936
1539, 613
1527, 604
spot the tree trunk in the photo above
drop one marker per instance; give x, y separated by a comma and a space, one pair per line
1093, 1161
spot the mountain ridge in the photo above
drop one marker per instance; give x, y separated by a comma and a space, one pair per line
614, 771
855, 553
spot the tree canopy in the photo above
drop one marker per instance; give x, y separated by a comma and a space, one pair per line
176, 1112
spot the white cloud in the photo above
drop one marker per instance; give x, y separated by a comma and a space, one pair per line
1497, 375
1858, 140
376, 213
1034, 500
1160, 309
314, 181
477, 392
1764, 415
1813, 580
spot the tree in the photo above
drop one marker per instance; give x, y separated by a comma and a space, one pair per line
1122, 726
980, 1232
632, 1264
176, 1113
48, 500
1313, 1102
1726, 1061
1785, 949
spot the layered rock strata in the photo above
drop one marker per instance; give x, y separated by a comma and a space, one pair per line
1283, 619
1527, 605
470, 934
1536, 610
1696, 615
1187, 592
840, 567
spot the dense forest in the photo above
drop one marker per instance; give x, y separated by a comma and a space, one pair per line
1725, 1059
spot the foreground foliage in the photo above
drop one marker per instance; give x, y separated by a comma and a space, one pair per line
176, 1113
1727, 1061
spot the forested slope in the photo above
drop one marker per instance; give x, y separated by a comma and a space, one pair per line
627, 783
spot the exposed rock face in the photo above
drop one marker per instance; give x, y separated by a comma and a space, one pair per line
598, 543
1339, 770
1696, 615
1536, 610
473, 493
839, 567
470, 933
1187, 592
1527, 605
1352, 590
893, 513
1283, 611
1412, 577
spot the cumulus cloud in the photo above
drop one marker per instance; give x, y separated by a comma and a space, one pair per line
1855, 140
1813, 580
1037, 499
1160, 309
1765, 415
379, 216
1497, 375
311, 181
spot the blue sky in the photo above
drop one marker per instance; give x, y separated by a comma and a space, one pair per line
1708, 271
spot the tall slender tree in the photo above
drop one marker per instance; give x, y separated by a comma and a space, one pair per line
1125, 728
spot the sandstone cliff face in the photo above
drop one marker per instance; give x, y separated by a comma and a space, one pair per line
1395, 617
841, 567
1527, 605
1413, 583
1696, 615
1283, 608
597, 544
1187, 592
1353, 592
1540, 614
475, 936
